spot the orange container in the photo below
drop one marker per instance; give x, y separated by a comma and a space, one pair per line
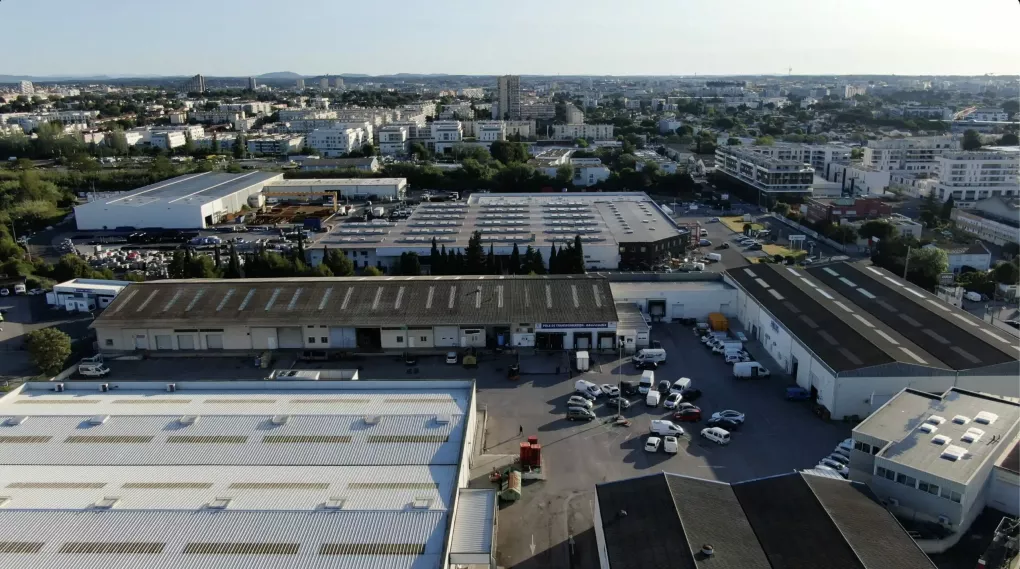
536, 455
718, 322
525, 454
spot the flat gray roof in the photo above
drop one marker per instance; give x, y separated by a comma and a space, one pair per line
204, 187
902, 420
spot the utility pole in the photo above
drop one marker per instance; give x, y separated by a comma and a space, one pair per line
906, 263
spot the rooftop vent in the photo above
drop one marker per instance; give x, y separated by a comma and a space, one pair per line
953, 453
219, 503
372, 419
940, 439
421, 503
985, 418
443, 419
707, 550
334, 503
15, 421
961, 420
928, 428
188, 420
936, 420
972, 435
106, 503
99, 419
280, 419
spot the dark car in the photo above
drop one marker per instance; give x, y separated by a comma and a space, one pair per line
579, 414
724, 423
690, 394
646, 366
797, 394
411, 360
1013, 323
688, 415
724, 246
664, 386
629, 387
618, 402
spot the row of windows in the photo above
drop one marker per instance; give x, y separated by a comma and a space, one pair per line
923, 486
865, 447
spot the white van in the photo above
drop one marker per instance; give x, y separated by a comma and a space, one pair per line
749, 369
20, 289
583, 360
716, 435
663, 427
657, 355
653, 398
970, 295
680, 385
587, 387
647, 381
714, 257
93, 370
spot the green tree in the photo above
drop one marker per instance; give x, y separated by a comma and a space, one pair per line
215, 145
581, 143
577, 257
930, 211
475, 255
843, 234
48, 349
971, 140
876, 228
371, 272
731, 141
565, 175
201, 267
1009, 139
419, 151
926, 264
240, 146
947, 209
509, 152
339, 264
1006, 273
515, 261
233, 269
410, 265
1011, 106
491, 267
747, 229
764, 141
781, 208
554, 265
435, 261
189, 144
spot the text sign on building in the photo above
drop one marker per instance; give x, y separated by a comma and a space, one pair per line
793, 238
569, 326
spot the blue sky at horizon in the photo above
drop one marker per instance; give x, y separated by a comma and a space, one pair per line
598, 37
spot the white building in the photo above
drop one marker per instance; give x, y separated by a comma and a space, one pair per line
457, 111
276, 144
987, 115
665, 165
934, 458
394, 140
26, 88
994, 220
669, 125
817, 155
335, 142
472, 92
924, 112
766, 174
444, 136
973, 176
911, 154
856, 179
216, 116
168, 140
574, 114
490, 131
358, 189
855, 335
84, 295
851, 91
913, 184
195, 201
585, 131
975, 256
537, 110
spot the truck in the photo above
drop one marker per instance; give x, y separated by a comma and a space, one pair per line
583, 360
379, 211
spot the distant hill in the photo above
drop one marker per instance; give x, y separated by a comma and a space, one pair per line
281, 75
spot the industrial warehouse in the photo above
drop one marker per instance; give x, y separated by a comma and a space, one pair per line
364, 314
855, 335
242, 474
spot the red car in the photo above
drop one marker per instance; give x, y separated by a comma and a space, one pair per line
688, 414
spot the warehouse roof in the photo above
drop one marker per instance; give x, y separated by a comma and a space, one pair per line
204, 187
836, 524
329, 182
367, 301
948, 418
852, 319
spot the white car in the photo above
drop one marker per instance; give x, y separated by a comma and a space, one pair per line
4, 292
737, 358
680, 385
451, 357
838, 467
670, 444
578, 401
839, 458
672, 401
610, 390
729, 414
652, 444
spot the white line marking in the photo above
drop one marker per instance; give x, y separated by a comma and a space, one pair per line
938, 305
913, 355
893, 281
831, 272
874, 270
887, 337
964, 319
914, 292
864, 321
826, 295
809, 283
996, 336
793, 271
843, 306
866, 293
847, 281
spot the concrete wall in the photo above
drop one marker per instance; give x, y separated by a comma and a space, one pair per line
696, 303
420, 338
1004, 491
393, 338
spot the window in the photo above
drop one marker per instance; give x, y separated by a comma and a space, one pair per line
933, 489
311, 339
423, 339
906, 480
874, 450
863, 447
890, 475
109, 341
400, 339
323, 340
880, 471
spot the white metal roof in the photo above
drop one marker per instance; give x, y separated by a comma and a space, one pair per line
472, 526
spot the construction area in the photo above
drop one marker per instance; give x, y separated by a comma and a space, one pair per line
291, 214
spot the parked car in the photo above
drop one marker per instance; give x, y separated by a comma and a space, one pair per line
688, 415
93, 370
837, 466
646, 366
579, 414
797, 394
578, 401
724, 246
729, 414
620, 402
610, 390
691, 394
629, 388
652, 444
672, 401
4, 292
839, 458
670, 445
582, 386
722, 423
411, 360
716, 435
680, 385
653, 398
451, 357
664, 387
1013, 323
662, 427
845, 447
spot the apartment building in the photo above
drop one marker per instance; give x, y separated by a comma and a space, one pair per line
925, 112
911, 154
336, 142
995, 220
974, 256
394, 140
586, 131
458, 111
26, 88
851, 91
508, 97
276, 144
445, 135
986, 114
857, 179
913, 184
538, 111
850, 209
973, 176
932, 457
472, 92
574, 114
168, 140
249, 107
490, 131
304, 113
216, 116
764, 173
300, 84
818, 155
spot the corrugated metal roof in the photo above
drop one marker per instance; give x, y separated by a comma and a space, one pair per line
472, 526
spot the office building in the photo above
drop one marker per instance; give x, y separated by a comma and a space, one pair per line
969, 177
275, 144
585, 131
300, 84
394, 140
508, 97
195, 85
912, 154
855, 179
793, 520
195, 201
995, 220
242, 474
84, 295
336, 142
855, 335
216, 116
252, 84
932, 456
26, 88
763, 173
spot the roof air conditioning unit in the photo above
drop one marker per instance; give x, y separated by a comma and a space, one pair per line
188, 420
280, 420
59, 388
104, 387
171, 387
372, 419
15, 421
99, 419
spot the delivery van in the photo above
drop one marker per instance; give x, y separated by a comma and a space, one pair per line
653, 398
714, 257
657, 355
749, 370
647, 381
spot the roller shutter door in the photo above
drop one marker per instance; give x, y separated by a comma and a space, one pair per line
342, 337
290, 337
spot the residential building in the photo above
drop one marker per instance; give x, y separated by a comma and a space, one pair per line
305, 113
490, 131
574, 114
472, 92
817, 155
300, 84
394, 140
26, 88
365, 164
995, 220
338, 83
913, 184
808, 102
855, 335
665, 165
168, 140
252, 84
846, 209
923, 112
541, 111
249, 107
217, 143
275, 144
586, 171
932, 457
195, 85
457, 111
508, 97
856, 179
975, 256
792, 520
585, 131
669, 125
851, 91
912, 154
763, 173
445, 135
969, 177
216, 116
986, 115
324, 83
336, 142
905, 226
177, 117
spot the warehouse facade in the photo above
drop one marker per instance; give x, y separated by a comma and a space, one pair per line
856, 335
361, 313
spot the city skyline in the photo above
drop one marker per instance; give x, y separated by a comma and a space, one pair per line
813, 38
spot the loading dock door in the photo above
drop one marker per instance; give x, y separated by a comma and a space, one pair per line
677, 311
290, 337
214, 341
657, 309
340, 337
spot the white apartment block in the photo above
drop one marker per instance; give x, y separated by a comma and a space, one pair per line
250, 107
857, 180
851, 91
586, 131
216, 116
972, 176
133, 138
178, 117
168, 140
490, 131
457, 111
818, 155
26, 88
669, 125
472, 92
574, 115
766, 174
911, 154
394, 140
445, 135
276, 144
913, 184
286, 115
987, 115
537, 111
994, 220
192, 130
934, 113
335, 142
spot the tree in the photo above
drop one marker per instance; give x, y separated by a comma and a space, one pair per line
781, 208
371, 272
410, 265
1006, 273
475, 255
368, 150
48, 348
215, 145
1011, 106
731, 141
581, 143
515, 261
764, 141
947, 209
216, 257
339, 264
553, 260
435, 261
240, 146
536, 266
509, 152
843, 234
201, 267
747, 229
565, 175
971, 140
929, 211
189, 144
577, 257
233, 270
876, 228
490, 262
1009, 139
926, 264
419, 151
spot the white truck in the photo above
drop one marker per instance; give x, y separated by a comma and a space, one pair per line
583, 360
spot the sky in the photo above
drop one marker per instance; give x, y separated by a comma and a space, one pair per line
540, 37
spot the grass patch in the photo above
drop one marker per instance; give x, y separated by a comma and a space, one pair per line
736, 224
773, 250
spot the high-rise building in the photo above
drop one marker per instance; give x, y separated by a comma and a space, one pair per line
509, 97
324, 83
196, 84
26, 88
300, 85
252, 84
338, 82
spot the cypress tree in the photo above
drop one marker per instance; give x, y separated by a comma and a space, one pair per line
515, 260
552, 260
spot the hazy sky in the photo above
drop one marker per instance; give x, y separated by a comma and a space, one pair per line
596, 37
